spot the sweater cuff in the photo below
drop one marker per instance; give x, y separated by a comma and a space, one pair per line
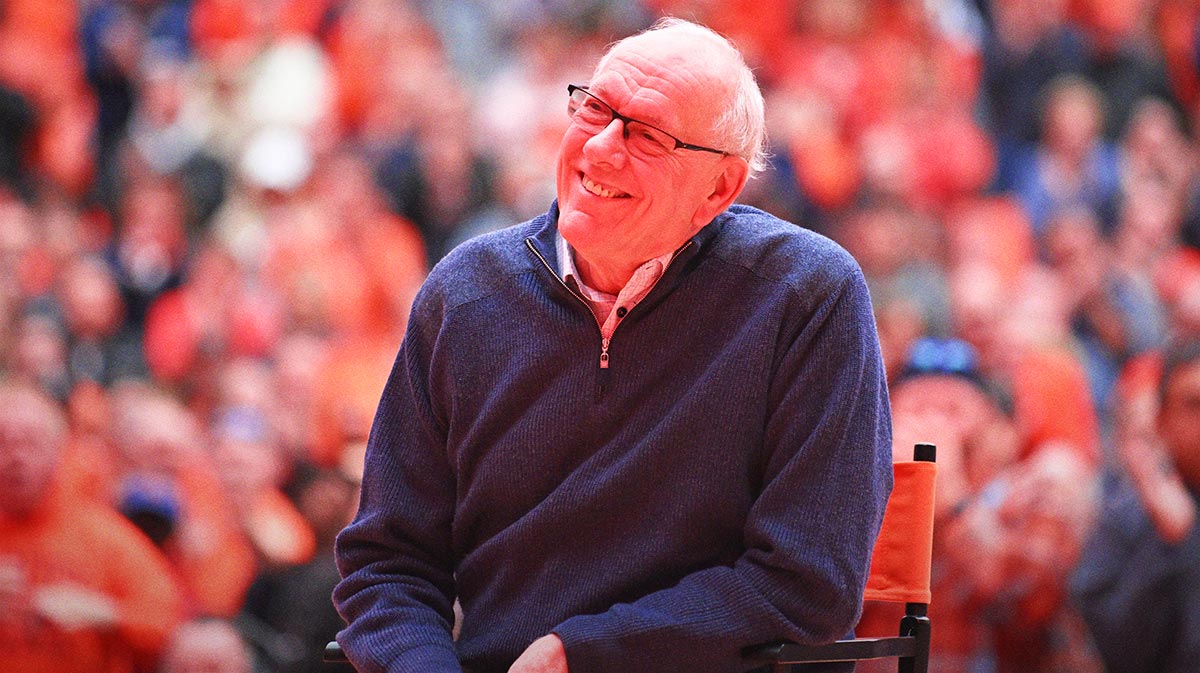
424, 659
592, 646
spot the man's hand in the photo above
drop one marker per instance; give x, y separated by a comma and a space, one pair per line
544, 655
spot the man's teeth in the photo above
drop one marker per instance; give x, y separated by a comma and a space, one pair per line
599, 190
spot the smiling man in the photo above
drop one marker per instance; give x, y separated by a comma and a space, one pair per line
641, 432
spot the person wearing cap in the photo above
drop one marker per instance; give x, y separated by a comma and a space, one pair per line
1009, 526
641, 432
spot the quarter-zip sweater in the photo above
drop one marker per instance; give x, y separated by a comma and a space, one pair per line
719, 485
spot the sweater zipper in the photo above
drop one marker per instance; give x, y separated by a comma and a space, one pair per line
599, 328
604, 341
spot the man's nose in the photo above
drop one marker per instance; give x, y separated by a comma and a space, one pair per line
607, 146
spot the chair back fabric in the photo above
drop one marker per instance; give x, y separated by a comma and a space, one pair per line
902, 560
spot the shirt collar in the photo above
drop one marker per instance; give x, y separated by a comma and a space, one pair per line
570, 273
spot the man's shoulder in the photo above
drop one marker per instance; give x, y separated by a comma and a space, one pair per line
480, 265
777, 250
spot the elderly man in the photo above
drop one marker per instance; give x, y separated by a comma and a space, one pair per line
81, 589
638, 433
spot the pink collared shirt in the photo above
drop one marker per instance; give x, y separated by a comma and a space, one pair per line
610, 309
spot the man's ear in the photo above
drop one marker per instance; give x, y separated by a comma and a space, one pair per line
725, 187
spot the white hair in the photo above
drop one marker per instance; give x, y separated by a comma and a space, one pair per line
742, 125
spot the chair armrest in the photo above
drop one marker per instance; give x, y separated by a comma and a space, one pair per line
333, 653
842, 650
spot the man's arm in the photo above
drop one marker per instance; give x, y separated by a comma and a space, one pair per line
810, 532
397, 590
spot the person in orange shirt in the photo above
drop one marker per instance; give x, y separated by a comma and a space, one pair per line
81, 589
163, 466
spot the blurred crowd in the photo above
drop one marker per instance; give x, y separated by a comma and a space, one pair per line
214, 215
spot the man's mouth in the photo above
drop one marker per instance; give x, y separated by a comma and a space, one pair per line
600, 190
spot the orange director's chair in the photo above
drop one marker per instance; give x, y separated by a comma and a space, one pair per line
900, 567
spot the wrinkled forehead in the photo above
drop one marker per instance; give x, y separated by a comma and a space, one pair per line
683, 68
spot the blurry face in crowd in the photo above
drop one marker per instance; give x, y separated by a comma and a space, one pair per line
31, 436
975, 439
1179, 421
1073, 119
620, 206
91, 299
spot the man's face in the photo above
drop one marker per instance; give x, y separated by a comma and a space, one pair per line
1179, 421
619, 208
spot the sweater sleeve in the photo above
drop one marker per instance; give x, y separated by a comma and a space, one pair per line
811, 529
395, 558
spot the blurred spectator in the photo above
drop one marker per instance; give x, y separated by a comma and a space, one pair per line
292, 603
1155, 149
216, 315
521, 124
348, 387
1008, 526
116, 36
1031, 43
1123, 60
101, 347
898, 252
171, 133
1138, 584
382, 251
1114, 315
39, 60
1024, 345
150, 251
251, 470
80, 588
1072, 165
991, 233
297, 359
162, 468
207, 645
39, 354
435, 177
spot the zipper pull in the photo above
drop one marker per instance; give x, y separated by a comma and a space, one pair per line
604, 353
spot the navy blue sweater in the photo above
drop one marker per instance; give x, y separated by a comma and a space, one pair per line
719, 485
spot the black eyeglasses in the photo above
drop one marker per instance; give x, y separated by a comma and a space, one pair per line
594, 115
